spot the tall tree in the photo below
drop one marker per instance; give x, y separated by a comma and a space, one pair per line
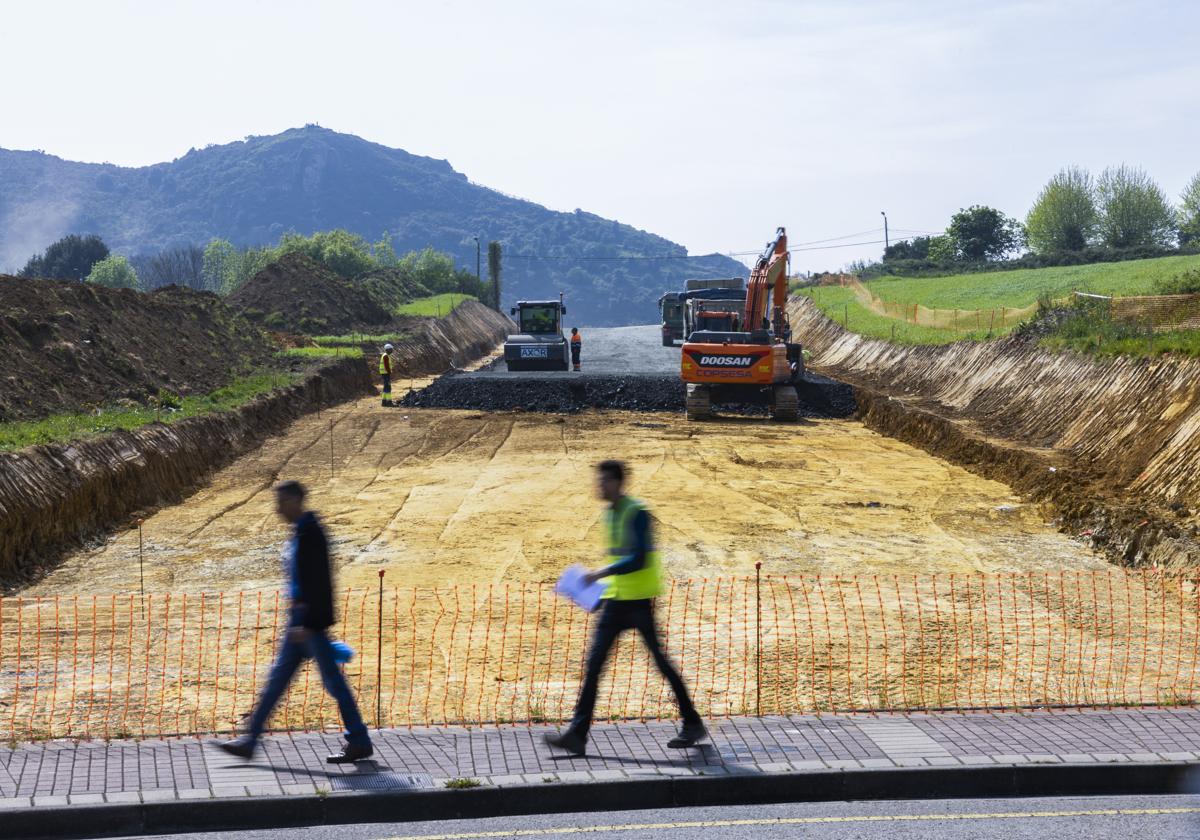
1134, 210
1064, 216
114, 272
219, 263
984, 233
1189, 212
494, 271
183, 266
70, 258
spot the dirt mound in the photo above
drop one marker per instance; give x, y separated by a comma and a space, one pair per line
299, 295
73, 346
819, 397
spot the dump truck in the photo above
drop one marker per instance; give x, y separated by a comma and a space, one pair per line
673, 305
757, 363
717, 309
671, 310
539, 343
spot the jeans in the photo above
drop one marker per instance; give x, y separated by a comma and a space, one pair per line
291, 656
615, 618
387, 385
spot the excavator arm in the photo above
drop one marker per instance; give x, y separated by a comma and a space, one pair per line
766, 293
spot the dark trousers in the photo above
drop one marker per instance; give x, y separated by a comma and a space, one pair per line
615, 618
575, 354
291, 656
387, 386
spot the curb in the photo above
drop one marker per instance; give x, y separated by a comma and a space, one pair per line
738, 788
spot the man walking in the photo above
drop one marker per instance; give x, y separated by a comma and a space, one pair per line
576, 346
636, 579
385, 373
310, 584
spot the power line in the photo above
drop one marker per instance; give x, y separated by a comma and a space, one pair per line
812, 245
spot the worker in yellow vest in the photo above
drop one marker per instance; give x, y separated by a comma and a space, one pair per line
635, 580
385, 373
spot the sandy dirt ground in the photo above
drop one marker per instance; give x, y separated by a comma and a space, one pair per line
437, 497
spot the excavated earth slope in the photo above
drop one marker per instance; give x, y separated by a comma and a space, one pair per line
71, 346
53, 497
1109, 445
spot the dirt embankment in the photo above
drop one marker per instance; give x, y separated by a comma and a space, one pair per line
432, 345
58, 496
73, 346
1110, 446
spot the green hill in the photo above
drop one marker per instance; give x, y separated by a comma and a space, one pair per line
310, 179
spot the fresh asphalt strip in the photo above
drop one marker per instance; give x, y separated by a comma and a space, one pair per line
245, 813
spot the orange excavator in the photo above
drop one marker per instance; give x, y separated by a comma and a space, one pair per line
757, 366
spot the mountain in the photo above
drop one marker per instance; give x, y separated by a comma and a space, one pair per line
309, 179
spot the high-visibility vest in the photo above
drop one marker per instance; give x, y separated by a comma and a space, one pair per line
646, 582
385, 363
576, 339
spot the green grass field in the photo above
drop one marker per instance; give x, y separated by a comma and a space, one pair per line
840, 304
356, 339
329, 352
433, 307
58, 428
1020, 288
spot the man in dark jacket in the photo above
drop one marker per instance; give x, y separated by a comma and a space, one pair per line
310, 585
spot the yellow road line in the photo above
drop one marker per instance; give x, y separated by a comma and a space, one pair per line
999, 815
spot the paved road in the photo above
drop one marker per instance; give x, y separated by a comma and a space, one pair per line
1161, 818
611, 351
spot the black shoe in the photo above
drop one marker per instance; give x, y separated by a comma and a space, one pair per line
350, 754
241, 747
388, 404
689, 736
569, 741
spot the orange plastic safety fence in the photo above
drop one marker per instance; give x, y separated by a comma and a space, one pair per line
158, 664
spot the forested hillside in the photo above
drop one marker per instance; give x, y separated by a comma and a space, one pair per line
311, 179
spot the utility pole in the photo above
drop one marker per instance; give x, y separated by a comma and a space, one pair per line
885, 231
477, 276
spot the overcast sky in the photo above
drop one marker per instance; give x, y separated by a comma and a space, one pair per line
709, 122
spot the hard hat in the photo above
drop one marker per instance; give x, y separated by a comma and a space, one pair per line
388, 347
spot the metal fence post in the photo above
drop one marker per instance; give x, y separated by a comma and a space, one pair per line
379, 659
758, 638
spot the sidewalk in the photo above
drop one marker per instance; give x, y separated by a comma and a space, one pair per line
52, 778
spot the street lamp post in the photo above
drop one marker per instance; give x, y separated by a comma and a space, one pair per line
885, 231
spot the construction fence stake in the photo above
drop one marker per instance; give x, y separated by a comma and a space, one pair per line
758, 638
379, 658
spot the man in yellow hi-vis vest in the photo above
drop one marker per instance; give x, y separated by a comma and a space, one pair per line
385, 374
635, 580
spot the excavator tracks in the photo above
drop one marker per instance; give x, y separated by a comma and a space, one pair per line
786, 405
699, 402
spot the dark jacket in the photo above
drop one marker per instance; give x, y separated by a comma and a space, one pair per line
312, 605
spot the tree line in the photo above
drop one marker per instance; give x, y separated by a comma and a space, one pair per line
222, 267
1076, 218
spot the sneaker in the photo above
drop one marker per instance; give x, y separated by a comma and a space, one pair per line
350, 754
241, 747
689, 736
569, 741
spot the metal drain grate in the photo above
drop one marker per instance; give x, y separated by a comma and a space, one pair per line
382, 781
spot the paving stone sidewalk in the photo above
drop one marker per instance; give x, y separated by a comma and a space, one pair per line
61, 773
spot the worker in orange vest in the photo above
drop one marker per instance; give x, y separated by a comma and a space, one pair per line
576, 346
